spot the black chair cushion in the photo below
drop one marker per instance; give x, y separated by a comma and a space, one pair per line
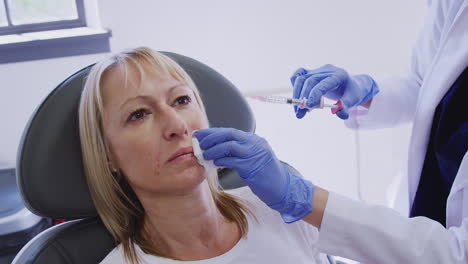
79, 241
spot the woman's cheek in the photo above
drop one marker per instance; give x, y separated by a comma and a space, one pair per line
158, 159
199, 120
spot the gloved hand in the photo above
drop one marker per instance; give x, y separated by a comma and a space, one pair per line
334, 83
252, 157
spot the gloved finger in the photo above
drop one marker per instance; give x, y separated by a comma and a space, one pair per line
235, 163
321, 89
297, 73
343, 113
222, 135
324, 69
202, 133
324, 72
309, 85
328, 68
212, 136
349, 100
301, 113
227, 149
298, 84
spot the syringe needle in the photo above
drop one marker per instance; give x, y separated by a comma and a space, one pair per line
301, 103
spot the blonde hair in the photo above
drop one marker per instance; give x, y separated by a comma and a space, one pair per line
116, 203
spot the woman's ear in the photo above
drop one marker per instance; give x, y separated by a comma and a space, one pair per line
112, 167
111, 162
114, 170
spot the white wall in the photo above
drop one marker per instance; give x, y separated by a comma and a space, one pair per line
257, 45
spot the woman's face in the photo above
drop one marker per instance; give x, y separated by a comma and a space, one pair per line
148, 127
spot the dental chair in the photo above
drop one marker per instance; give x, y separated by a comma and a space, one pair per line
50, 172
17, 224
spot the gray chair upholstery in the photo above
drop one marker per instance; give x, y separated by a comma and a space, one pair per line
17, 224
50, 172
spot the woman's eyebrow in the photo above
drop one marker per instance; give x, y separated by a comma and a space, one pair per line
175, 86
147, 97
139, 97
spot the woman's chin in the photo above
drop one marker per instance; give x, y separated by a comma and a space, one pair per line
188, 177
178, 180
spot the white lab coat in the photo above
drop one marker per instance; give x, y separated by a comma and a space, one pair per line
376, 234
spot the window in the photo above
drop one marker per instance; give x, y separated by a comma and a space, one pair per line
39, 29
20, 16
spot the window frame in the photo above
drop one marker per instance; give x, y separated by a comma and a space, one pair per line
57, 41
43, 26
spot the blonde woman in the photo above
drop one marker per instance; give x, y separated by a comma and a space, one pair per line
137, 113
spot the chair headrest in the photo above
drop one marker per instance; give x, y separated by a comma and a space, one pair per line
49, 163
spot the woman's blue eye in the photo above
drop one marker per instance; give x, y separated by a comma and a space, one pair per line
183, 100
137, 115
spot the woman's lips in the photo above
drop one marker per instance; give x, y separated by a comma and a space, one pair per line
182, 154
187, 156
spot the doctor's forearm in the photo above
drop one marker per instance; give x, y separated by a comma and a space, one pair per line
319, 202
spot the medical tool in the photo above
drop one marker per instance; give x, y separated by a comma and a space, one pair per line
336, 84
301, 103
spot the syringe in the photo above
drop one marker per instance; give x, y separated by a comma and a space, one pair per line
301, 103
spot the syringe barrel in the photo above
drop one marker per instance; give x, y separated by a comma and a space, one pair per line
302, 103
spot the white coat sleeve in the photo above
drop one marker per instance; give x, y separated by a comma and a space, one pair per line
377, 234
397, 100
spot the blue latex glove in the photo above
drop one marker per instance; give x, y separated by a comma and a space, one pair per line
254, 160
334, 83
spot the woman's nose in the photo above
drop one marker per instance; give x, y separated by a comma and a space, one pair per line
174, 125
